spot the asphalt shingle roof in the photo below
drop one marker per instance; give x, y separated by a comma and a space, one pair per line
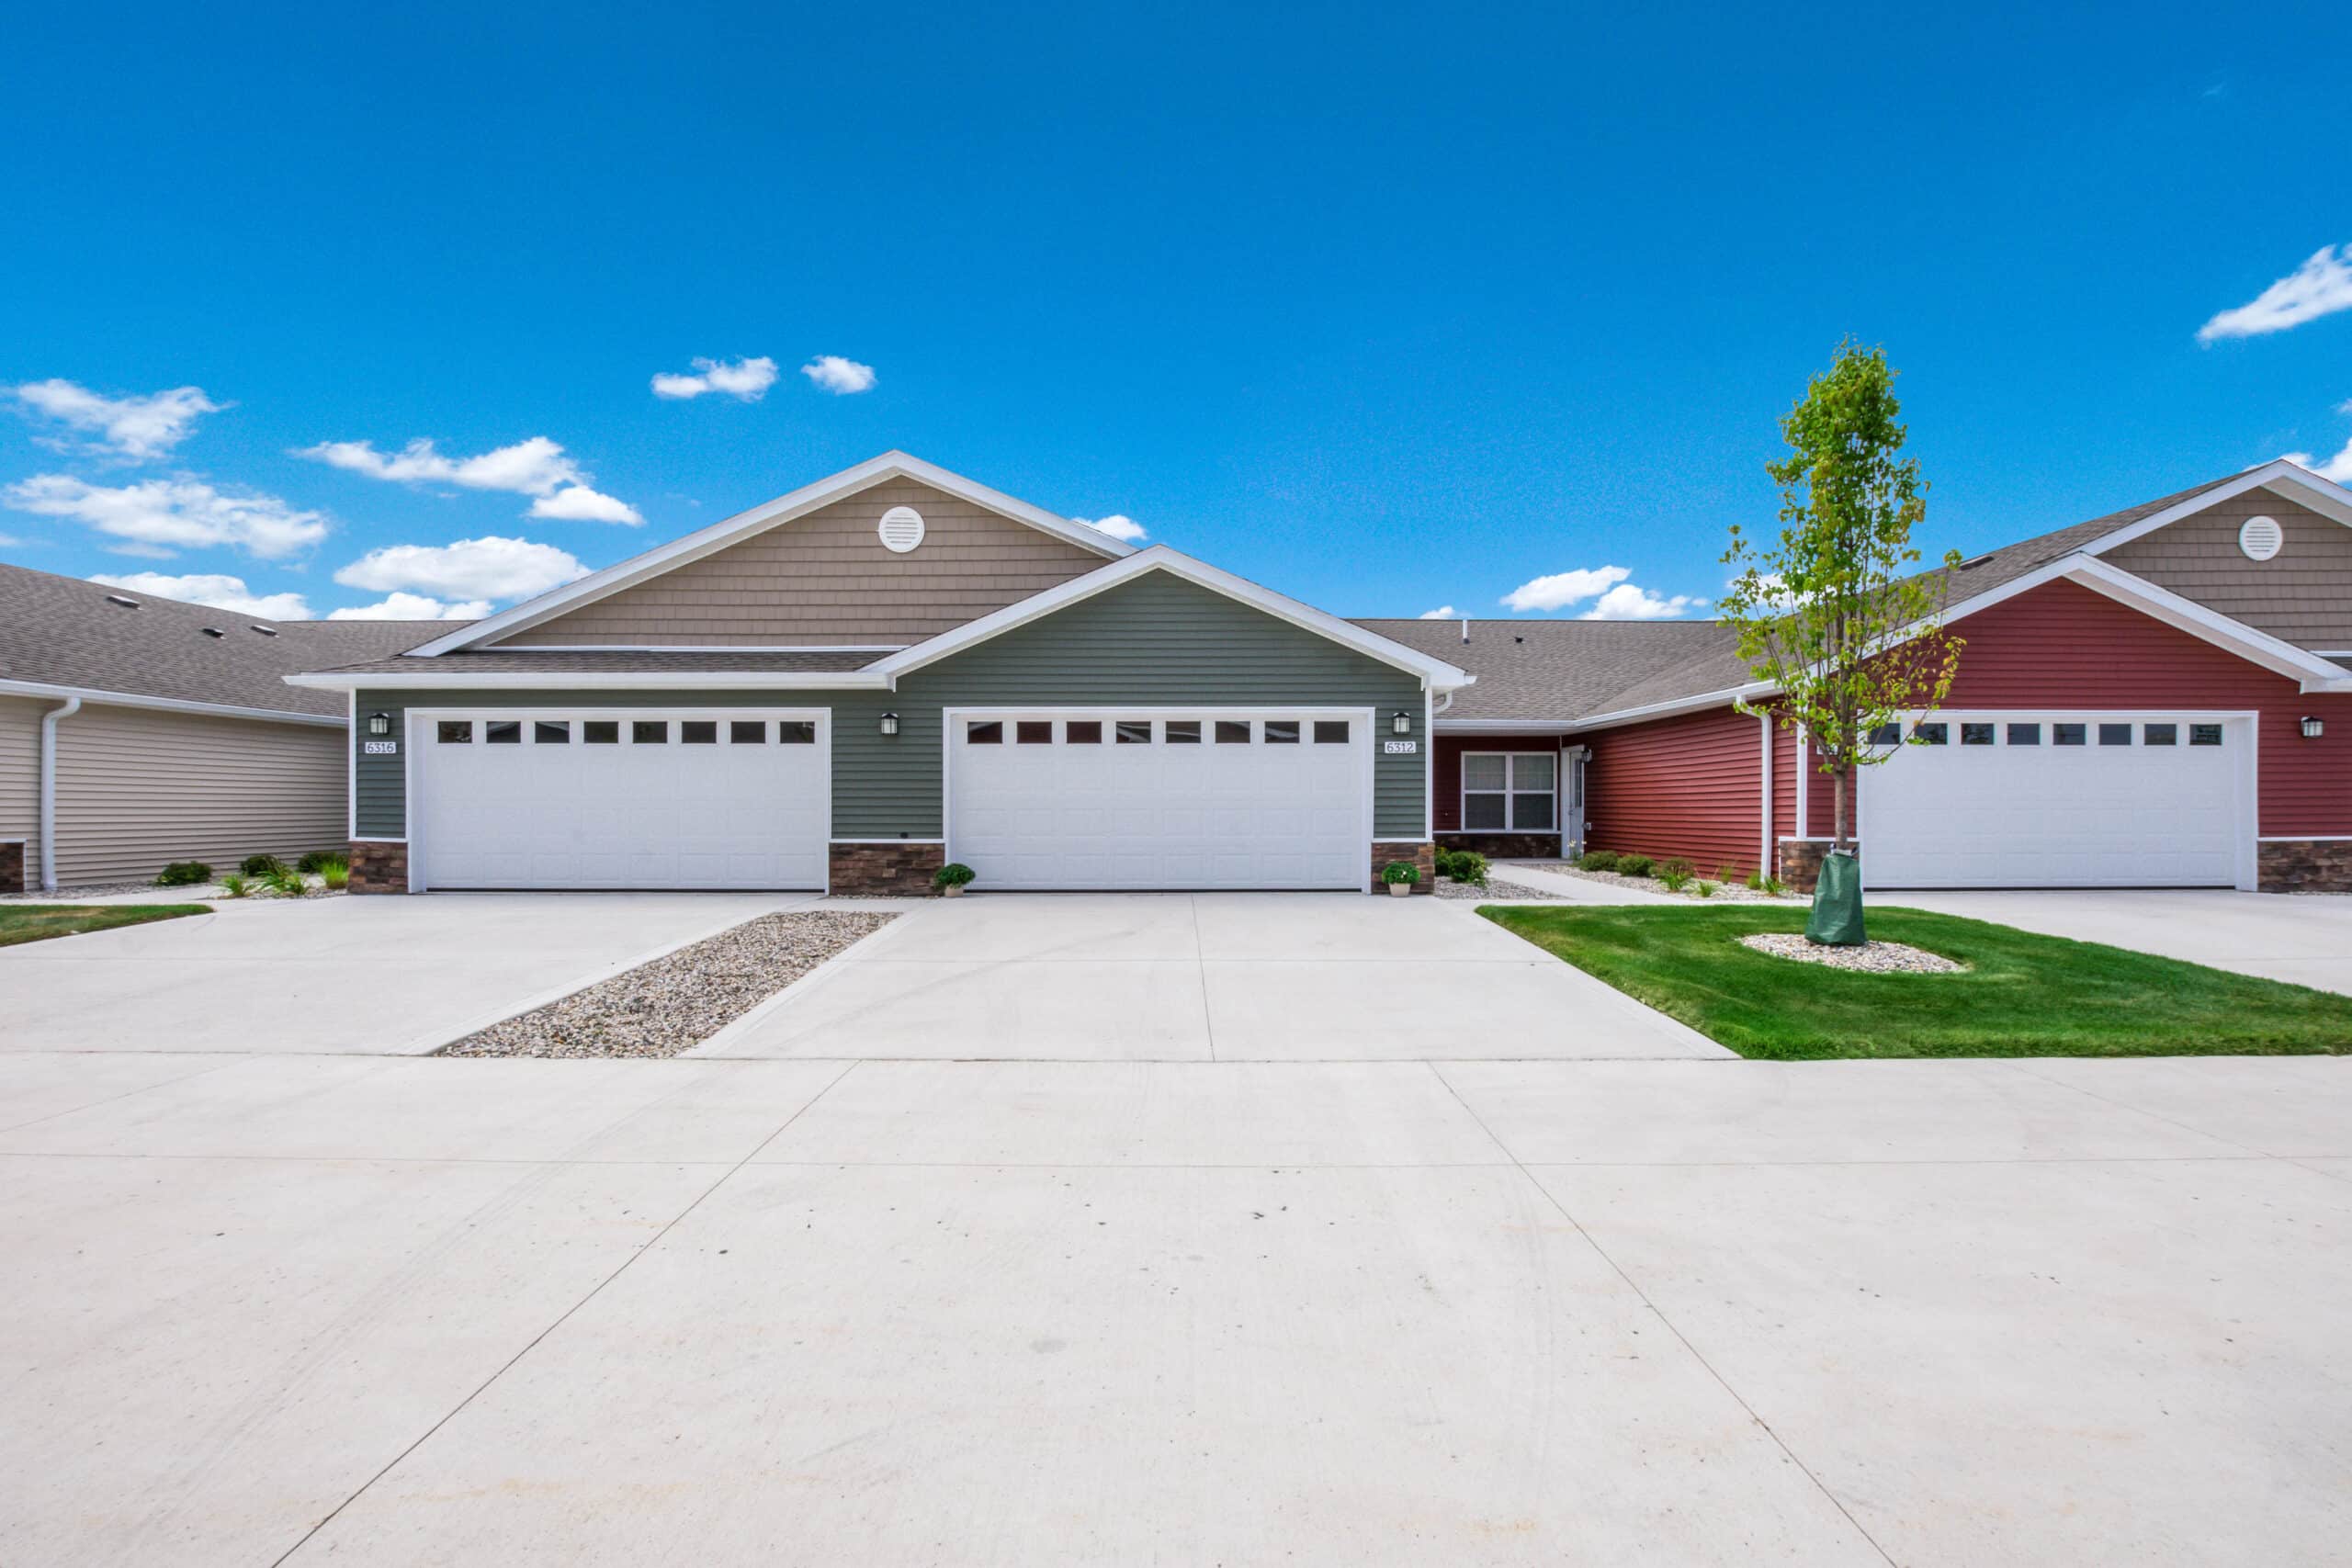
62, 631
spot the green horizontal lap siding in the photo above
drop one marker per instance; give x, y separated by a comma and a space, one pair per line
1157, 641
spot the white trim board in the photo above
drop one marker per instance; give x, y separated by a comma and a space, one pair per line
769, 515
2289, 481
432, 680
1435, 673
165, 704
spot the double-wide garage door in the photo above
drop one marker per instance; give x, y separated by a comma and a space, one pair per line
1104, 799
687, 799
2009, 799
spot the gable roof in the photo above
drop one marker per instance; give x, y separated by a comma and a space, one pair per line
61, 636
1437, 674
1543, 674
783, 509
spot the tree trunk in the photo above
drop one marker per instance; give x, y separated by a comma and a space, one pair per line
1842, 775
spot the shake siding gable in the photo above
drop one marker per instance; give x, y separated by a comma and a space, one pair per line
825, 580
1687, 786
2303, 594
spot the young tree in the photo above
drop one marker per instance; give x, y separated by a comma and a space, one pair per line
1834, 615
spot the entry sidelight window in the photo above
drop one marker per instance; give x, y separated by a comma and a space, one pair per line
1509, 791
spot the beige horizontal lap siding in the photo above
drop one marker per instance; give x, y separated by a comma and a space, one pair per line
826, 580
2303, 594
138, 788
20, 774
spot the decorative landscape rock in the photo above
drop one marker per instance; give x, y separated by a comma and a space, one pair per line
1497, 887
1872, 957
680, 998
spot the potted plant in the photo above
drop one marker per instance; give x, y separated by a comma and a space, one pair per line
951, 879
1401, 876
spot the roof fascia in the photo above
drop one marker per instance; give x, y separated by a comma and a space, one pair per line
165, 705
1434, 673
590, 681
769, 515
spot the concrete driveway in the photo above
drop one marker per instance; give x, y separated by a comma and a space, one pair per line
1211, 977
383, 1311
2305, 941
363, 975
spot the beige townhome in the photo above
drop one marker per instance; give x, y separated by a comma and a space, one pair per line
136, 731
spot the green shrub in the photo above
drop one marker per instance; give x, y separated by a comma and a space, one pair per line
336, 871
1463, 865
1703, 888
1400, 870
284, 880
1756, 880
316, 860
261, 865
184, 874
236, 885
1676, 873
954, 873
1597, 860
1637, 866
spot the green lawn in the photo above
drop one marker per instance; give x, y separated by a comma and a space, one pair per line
2023, 996
33, 922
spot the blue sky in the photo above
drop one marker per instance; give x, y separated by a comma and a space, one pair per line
1388, 309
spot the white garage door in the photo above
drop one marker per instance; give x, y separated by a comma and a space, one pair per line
2062, 800
1125, 798
570, 799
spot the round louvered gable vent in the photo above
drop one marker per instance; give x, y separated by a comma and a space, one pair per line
2261, 537
902, 529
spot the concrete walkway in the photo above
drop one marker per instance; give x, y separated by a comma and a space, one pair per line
339, 1310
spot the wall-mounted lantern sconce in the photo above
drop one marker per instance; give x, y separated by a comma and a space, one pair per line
890, 723
2312, 729
1400, 722
379, 724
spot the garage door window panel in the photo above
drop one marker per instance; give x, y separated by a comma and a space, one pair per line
1034, 732
503, 732
600, 732
1330, 732
698, 732
649, 732
2069, 733
1133, 731
747, 732
984, 732
1282, 732
2160, 735
1233, 732
2204, 735
1082, 732
1183, 732
2115, 735
796, 732
2025, 735
551, 732
455, 731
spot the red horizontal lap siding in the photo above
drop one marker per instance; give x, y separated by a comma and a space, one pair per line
2064, 646
1446, 809
1689, 785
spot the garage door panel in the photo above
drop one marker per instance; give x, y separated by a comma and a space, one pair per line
628, 815
1172, 815
2045, 815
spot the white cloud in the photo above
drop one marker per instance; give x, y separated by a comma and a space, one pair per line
413, 607
835, 374
1116, 526
536, 467
1442, 613
1565, 588
159, 516
216, 589
1627, 603
747, 379
2339, 467
490, 568
137, 428
578, 504
2321, 287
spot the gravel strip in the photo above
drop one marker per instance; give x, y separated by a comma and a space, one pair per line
1872, 957
1724, 893
1498, 887
682, 999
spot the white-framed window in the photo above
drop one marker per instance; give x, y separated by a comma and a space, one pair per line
1510, 792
